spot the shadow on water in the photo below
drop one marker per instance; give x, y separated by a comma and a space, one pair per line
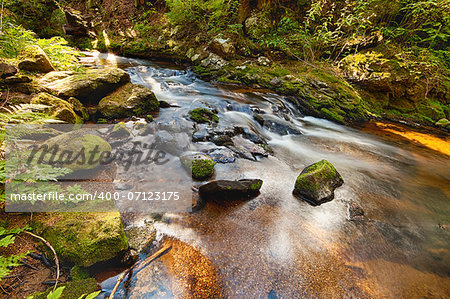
276, 246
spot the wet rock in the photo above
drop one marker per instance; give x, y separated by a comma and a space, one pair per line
35, 61
222, 140
199, 165
317, 182
202, 134
443, 123
222, 155
229, 190
213, 62
83, 239
276, 125
247, 149
173, 143
355, 212
203, 115
89, 87
129, 100
7, 70
58, 108
222, 47
164, 104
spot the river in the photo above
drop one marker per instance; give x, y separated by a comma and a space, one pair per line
277, 246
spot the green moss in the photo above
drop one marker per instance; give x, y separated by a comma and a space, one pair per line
72, 290
256, 186
79, 273
279, 72
84, 238
203, 115
102, 121
149, 118
202, 168
332, 115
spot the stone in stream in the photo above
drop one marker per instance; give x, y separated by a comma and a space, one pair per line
222, 155
129, 100
247, 149
317, 182
199, 165
203, 115
229, 190
355, 212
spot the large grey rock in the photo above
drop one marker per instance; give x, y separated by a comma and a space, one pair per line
35, 60
89, 87
213, 62
129, 100
317, 182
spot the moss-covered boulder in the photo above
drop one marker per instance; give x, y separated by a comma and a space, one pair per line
83, 239
34, 59
88, 87
443, 123
230, 190
58, 108
72, 290
76, 142
129, 100
199, 165
203, 115
317, 182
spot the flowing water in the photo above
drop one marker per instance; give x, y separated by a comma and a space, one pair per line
277, 246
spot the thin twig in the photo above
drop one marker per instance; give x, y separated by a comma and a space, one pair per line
54, 252
144, 263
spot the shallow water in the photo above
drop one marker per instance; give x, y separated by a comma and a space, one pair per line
276, 246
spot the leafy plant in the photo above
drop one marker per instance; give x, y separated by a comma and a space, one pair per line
7, 237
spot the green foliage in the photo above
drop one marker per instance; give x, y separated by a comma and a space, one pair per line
7, 237
15, 39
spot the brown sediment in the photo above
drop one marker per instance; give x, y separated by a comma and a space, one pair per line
195, 276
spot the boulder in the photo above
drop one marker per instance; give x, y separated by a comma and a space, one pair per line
129, 100
35, 60
222, 155
58, 108
16, 80
222, 47
83, 239
247, 149
229, 190
199, 165
89, 87
7, 70
317, 182
76, 142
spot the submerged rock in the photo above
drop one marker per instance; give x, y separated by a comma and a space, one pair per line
129, 100
222, 155
199, 165
35, 60
84, 238
229, 190
89, 87
317, 182
355, 212
247, 149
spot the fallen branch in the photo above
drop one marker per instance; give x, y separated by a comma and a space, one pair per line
141, 264
54, 252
